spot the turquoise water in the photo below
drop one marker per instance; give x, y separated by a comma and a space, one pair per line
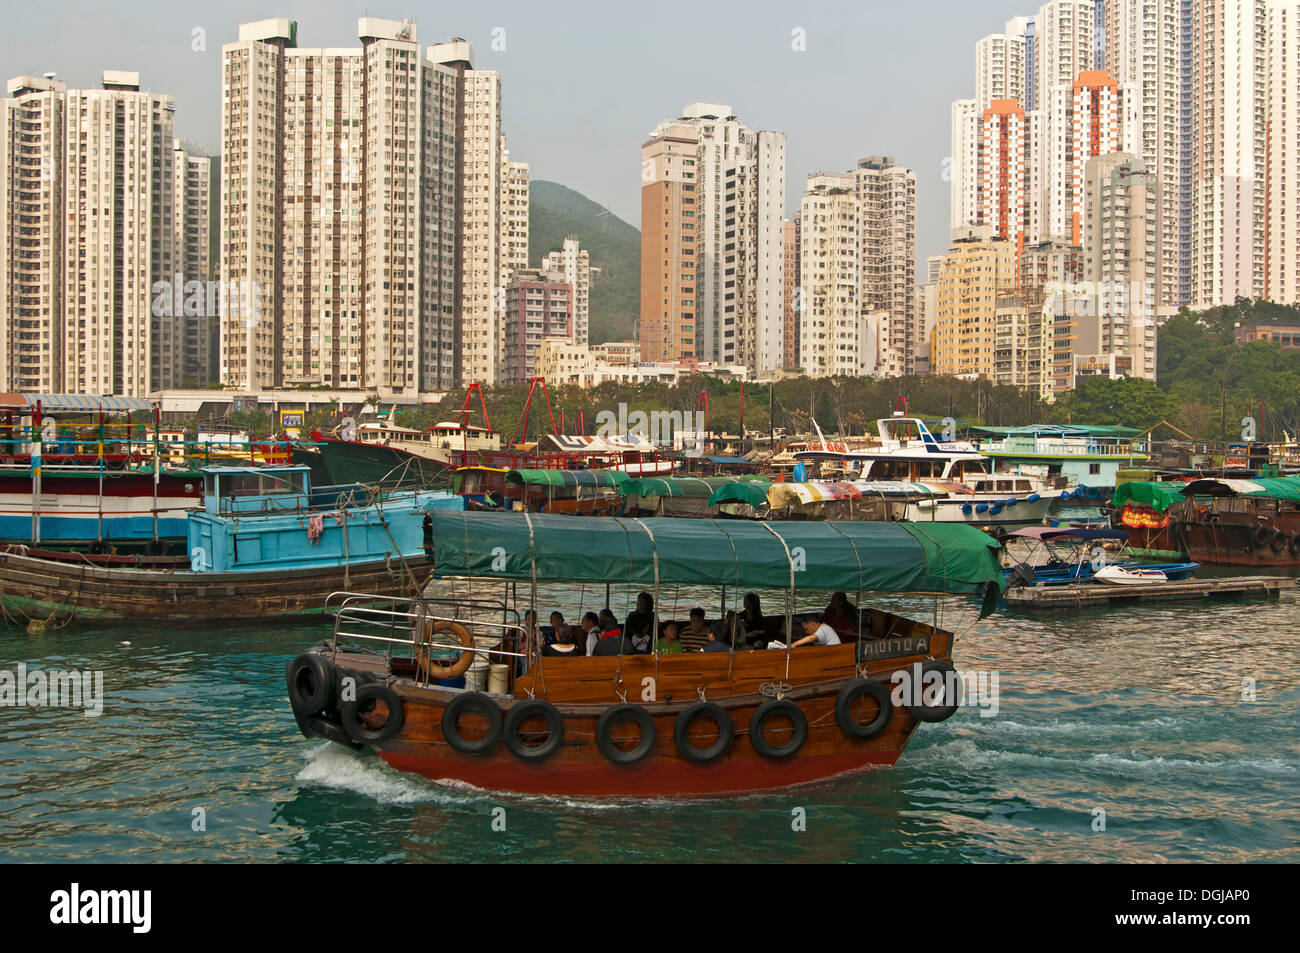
1137, 712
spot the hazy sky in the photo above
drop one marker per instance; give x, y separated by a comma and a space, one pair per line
583, 83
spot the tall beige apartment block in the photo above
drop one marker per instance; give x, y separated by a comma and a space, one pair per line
89, 219
252, 202
735, 234
886, 192
362, 212
978, 268
831, 325
32, 150
790, 350
195, 307
669, 219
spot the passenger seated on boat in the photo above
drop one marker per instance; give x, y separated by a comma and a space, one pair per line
715, 644
533, 639
645, 603
696, 633
753, 630
614, 643
638, 630
669, 643
816, 632
842, 615
557, 625
563, 646
590, 631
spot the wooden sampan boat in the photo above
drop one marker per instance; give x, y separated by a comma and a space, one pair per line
646, 725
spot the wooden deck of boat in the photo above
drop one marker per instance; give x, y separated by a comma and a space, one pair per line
1098, 595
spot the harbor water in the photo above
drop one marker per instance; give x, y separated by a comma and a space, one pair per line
1118, 736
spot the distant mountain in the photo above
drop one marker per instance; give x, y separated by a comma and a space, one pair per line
555, 212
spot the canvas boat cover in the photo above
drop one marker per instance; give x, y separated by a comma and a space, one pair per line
850, 556
692, 487
1069, 532
567, 477
1158, 495
1273, 488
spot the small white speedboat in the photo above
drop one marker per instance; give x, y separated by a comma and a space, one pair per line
1121, 576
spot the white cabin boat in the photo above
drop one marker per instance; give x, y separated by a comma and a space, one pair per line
438, 443
908, 451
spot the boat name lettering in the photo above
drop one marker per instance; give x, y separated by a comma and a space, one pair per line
895, 648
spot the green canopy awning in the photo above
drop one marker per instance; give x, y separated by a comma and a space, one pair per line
852, 556
567, 477
691, 487
1159, 496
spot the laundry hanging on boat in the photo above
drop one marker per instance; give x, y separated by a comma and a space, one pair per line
315, 526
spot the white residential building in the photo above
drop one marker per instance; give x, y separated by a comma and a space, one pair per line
830, 276
1143, 52
1282, 250
737, 233
886, 192
573, 264
1228, 99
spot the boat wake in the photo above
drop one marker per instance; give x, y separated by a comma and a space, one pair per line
335, 767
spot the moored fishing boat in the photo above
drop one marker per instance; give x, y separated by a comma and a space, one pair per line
265, 544
1239, 522
654, 724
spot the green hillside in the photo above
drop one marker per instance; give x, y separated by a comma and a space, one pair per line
554, 213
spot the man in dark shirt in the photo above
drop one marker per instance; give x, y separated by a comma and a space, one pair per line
614, 645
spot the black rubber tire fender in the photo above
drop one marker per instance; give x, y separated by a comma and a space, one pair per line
1261, 536
315, 726
311, 680
1294, 548
933, 714
682, 732
1279, 543
605, 723
850, 692
533, 708
758, 720
486, 707
350, 714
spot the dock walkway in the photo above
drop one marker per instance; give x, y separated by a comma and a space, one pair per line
1096, 595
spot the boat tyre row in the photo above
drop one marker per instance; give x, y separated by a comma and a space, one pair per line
312, 685
1276, 541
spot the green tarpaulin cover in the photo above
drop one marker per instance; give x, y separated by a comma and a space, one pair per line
898, 557
683, 486
753, 492
567, 477
1272, 488
1158, 496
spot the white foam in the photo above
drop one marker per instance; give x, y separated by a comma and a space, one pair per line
333, 766
1245, 765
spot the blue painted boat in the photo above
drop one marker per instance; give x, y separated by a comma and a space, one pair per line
263, 518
